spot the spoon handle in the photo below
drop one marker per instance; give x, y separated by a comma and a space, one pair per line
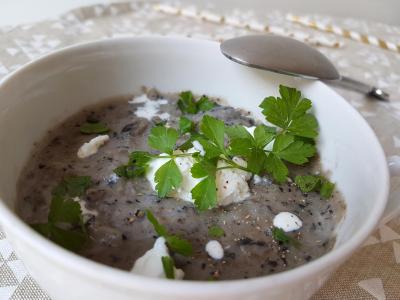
359, 86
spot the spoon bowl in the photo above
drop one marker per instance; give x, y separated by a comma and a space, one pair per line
281, 55
290, 57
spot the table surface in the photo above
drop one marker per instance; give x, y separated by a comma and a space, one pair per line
373, 272
14, 12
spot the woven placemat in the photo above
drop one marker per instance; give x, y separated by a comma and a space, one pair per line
373, 272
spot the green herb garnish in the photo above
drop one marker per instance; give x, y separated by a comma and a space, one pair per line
168, 265
167, 178
289, 112
267, 150
315, 183
279, 235
251, 148
326, 189
204, 104
136, 166
163, 139
216, 231
174, 242
185, 125
64, 222
187, 103
205, 192
91, 128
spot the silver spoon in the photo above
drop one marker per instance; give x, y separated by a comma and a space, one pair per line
291, 57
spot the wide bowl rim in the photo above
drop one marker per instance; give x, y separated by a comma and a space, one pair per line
119, 278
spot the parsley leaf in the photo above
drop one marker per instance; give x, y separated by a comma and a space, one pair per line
121, 171
168, 266
215, 232
305, 126
187, 144
214, 130
160, 229
174, 242
241, 141
237, 132
163, 139
139, 161
204, 104
64, 222
289, 112
276, 167
251, 148
61, 209
64, 211
279, 235
326, 190
140, 157
254, 155
179, 245
298, 152
137, 165
212, 150
187, 103
256, 160
241, 147
263, 135
309, 183
204, 167
205, 192
185, 125
287, 148
90, 128
167, 178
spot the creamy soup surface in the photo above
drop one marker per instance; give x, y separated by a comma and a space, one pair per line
117, 225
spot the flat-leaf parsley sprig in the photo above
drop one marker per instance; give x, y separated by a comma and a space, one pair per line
167, 177
266, 150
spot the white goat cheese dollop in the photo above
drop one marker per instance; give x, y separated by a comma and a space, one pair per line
287, 221
91, 147
150, 108
232, 183
150, 263
214, 250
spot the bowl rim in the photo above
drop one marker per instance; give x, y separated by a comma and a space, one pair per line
120, 278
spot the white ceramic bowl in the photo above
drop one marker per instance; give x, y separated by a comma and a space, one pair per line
45, 92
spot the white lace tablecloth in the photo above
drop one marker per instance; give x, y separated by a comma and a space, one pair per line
373, 272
